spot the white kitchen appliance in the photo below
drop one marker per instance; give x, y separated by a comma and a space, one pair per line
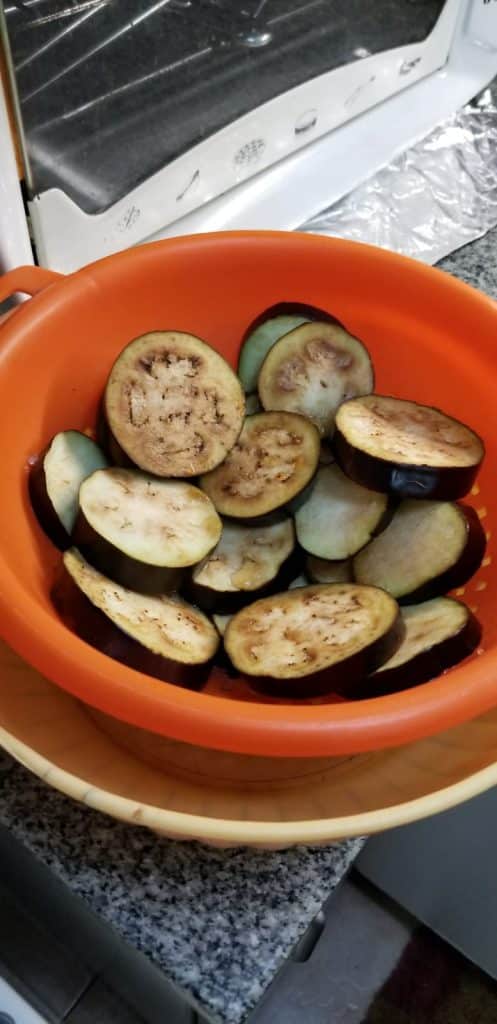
139, 120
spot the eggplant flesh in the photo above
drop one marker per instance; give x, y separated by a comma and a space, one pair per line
247, 563
315, 639
312, 370
158, 636
407, 449
55, 480
267, 328
173, 404
339, 516
273, 460
142, 531
428, 548
438, 635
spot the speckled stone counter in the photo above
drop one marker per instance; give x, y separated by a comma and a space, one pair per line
219, 923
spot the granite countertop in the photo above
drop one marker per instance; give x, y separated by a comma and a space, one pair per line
218, 922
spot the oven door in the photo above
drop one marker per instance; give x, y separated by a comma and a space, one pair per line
135, 116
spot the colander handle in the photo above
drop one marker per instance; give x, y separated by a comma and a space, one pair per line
28, 280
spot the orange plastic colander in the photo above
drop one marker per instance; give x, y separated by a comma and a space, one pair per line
432, 339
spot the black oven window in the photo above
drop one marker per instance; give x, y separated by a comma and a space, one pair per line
112, 90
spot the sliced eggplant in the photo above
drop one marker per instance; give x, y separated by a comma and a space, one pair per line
55, 480
108, 443
321, 570
314, 639
438, 635
247, 563
141, 531
159, 636
173, 404
428, 548
407, 449
221, 622
312, 370
273, 460
260, 337
338, 516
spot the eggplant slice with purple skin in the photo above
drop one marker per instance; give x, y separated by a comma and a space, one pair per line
439, 634
428, 548
141, 531
322, 570
159, 636
314, 640
407, 449
266, 330
247, 563
338, 516
55, 480
109, 445
173, 404
273, 460
312, 370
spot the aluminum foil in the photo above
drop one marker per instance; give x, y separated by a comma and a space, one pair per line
436, 196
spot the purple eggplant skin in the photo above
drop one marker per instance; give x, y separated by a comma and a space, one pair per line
129, 572
43, 508
228, 602
303, 309
465, 567
402, 479
425, 666
108, 443
92, 626
340, 678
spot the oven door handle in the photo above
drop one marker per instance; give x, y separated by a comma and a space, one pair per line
26, 280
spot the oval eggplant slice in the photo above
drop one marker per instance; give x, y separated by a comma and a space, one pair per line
173, 404
142, 531
247, 563
438, 635
159, 636
321, 570
257, 342
429, 547
407, 449
312, 370
55, 480
339, 516
273, 460
315, 639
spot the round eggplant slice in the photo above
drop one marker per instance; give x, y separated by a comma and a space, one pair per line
247, 563
55, 480
312, 370
314, 640
338, 516
428, 548
321, 570
173, 404
159, 636
257, 343
273, 460
438, 635
141, 531
407, 449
